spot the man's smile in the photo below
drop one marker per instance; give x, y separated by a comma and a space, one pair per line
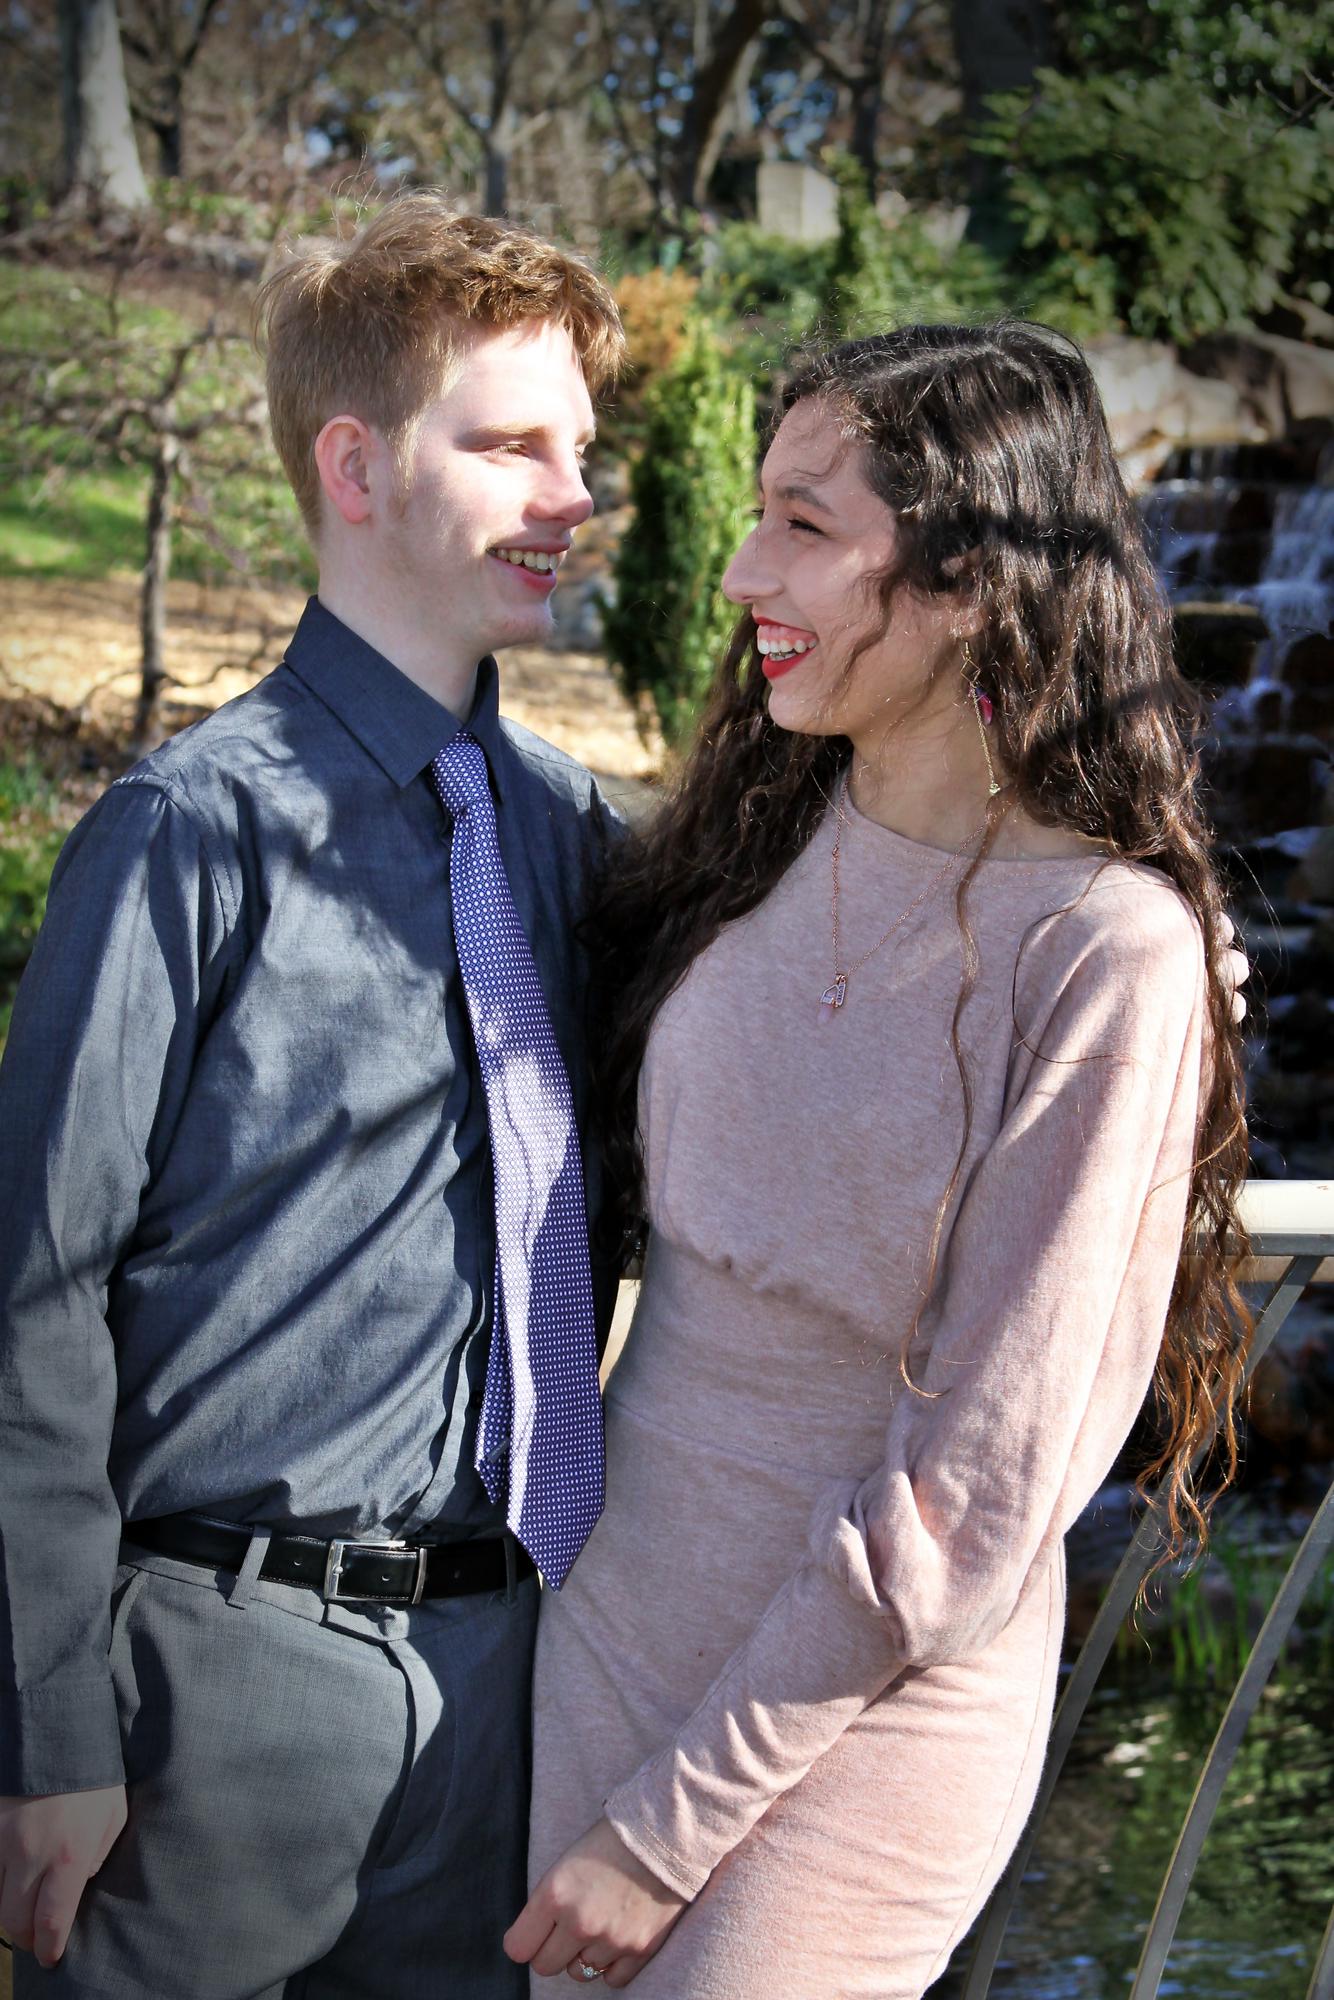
536, 567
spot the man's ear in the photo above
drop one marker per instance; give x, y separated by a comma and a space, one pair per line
343, 452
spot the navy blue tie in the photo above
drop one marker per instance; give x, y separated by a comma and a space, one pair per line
539, 1442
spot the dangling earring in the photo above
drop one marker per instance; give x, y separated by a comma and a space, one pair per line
984, 711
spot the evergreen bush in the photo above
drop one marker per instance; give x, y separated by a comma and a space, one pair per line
692, 487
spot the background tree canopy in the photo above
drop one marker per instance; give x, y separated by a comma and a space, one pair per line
1158, 167
1161, 164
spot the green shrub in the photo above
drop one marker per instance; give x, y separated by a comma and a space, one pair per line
1213, 1610
1145, 198
30, 840
1229, 51
658, 309
205, 209
692, 487
883, 275
748, 273
26, 862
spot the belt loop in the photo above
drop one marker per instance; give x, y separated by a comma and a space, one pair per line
239, 1591
511, 1569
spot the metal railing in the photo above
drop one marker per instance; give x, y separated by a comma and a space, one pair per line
1291, 1226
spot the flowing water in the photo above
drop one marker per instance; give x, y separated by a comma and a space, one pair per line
1244, 541
1243, 536
1260, 1900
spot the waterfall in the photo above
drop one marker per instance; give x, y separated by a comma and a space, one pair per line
1243, 537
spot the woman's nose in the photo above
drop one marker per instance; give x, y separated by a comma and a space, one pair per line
744, 579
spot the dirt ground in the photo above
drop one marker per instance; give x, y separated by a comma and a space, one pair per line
76, 644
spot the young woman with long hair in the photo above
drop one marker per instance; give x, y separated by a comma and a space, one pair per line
919, 1061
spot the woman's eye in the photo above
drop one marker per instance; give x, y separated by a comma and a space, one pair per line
794, 521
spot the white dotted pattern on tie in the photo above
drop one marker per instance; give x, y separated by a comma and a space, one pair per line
540, 1434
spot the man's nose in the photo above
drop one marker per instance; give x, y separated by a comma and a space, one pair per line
568, 500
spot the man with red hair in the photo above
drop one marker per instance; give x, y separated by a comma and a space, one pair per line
298, 1363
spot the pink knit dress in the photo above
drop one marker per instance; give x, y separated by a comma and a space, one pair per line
806, 1662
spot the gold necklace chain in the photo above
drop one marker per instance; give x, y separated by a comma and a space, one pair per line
837, 992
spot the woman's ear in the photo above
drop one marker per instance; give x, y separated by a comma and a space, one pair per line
963, 569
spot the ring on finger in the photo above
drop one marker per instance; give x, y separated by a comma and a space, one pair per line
587, 1971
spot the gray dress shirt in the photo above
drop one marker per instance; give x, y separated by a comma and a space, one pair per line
247, 1237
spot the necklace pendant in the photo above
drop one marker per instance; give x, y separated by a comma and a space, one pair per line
833, 997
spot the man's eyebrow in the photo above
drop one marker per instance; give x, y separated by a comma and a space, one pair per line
805, 495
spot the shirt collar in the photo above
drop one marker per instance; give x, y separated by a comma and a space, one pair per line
398, 723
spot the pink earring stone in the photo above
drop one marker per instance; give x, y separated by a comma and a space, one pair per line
984, 707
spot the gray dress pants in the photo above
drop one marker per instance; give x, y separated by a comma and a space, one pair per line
325, 1800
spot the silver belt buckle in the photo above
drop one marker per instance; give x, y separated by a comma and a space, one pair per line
333, 1570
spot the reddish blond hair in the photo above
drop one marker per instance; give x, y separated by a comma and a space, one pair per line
377, 327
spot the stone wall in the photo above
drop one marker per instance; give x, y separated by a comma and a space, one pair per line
1236, 388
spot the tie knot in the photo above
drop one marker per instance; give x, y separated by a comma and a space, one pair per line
460, 773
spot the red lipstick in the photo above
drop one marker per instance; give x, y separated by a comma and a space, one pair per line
775, 630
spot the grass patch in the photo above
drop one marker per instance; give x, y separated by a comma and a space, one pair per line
47, 309
86, 525
72, 504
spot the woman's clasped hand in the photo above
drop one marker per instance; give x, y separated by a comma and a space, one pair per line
598, 1913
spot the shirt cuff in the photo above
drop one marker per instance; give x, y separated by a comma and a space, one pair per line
626, 1813
63, 1737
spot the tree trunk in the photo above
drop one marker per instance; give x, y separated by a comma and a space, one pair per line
867, 98
868, 95
100, 155
497, 177
153, 592
711, 100
498, 142
169, 150
168, 127
999, 45
732, 117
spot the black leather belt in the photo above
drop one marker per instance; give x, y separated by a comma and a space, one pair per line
356, 1572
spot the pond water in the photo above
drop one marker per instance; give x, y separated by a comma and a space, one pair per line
1261, 1897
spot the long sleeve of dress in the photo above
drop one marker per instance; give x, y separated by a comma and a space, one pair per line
126, 968
1034, 1353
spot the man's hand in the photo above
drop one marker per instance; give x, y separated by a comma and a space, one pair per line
599, 1904
49, 1849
